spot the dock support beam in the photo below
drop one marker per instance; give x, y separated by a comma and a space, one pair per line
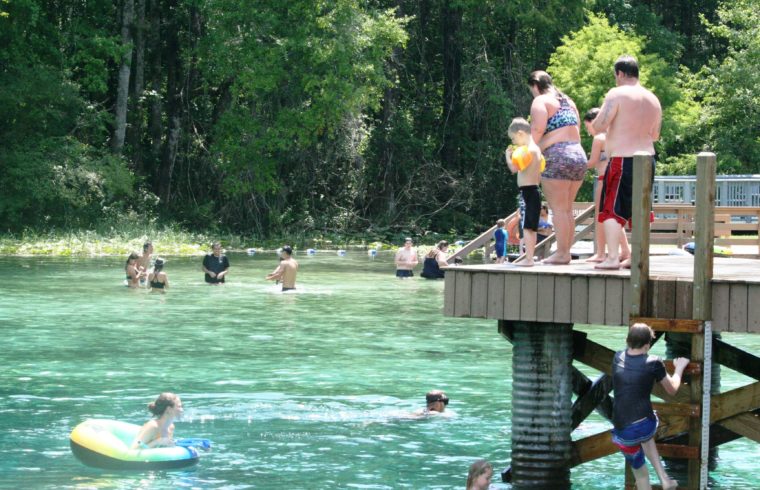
541, 404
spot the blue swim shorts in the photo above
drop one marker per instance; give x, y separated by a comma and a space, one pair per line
629, 440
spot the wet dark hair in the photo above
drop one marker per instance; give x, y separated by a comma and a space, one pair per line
287, 249
158, 265
132, 256
591, 114
639, 335
627, 65
164, 401
436, 396
146, 246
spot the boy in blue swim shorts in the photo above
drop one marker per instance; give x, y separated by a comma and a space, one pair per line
500, 237
634, 373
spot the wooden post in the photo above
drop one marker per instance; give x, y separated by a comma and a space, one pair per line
702, 302
642, 207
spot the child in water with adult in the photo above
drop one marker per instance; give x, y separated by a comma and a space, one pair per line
479, 477
133, 271
286, 270
158, 279
528, 179
435, 259
159, 432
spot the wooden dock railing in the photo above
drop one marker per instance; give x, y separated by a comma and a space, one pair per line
674, 225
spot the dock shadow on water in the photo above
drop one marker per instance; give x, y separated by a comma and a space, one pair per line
305, 390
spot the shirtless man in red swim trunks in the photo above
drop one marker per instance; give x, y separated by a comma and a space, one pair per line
631, 116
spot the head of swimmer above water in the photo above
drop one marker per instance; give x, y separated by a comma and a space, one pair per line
158, 266
166, 404
132, 258
436, 401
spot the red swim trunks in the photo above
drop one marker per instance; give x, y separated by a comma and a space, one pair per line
617, 190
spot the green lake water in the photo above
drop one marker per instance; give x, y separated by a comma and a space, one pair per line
299, 390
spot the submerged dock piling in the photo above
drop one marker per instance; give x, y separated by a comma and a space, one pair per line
541, 404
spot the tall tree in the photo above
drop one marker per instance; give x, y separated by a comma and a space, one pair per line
122, 91
451, 24
174, 73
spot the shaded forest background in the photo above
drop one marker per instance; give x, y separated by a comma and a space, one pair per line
373, 117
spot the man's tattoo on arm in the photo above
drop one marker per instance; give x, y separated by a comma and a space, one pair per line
604, 116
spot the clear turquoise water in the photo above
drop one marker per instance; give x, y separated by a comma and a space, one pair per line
305, 390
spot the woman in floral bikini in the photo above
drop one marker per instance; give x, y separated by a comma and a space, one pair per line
555, 125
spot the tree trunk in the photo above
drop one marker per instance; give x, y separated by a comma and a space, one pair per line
451, 15
155, 124
122, 93
174, 104
135, 129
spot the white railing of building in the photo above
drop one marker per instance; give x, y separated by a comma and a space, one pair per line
731, 190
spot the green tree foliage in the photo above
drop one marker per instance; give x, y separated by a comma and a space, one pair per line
302, 75
50, 174
379, 116
731, 89
582, 66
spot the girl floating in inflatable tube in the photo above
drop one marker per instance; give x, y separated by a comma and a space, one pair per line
159, 432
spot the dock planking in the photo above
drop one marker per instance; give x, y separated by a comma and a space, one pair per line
578, 293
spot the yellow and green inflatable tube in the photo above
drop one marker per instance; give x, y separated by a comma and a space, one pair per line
106, 444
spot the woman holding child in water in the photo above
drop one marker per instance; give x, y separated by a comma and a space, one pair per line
133, 271
555, 127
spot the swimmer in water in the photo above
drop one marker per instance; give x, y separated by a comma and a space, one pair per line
158, 279
286, 271
479, 477
159, 432
436, 402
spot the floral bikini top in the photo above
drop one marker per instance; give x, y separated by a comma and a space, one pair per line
565, 116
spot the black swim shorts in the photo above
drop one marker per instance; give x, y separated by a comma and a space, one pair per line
530, 207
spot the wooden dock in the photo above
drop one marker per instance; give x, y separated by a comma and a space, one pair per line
578, 293
683, 298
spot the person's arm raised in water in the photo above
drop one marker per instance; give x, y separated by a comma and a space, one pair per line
276, 274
